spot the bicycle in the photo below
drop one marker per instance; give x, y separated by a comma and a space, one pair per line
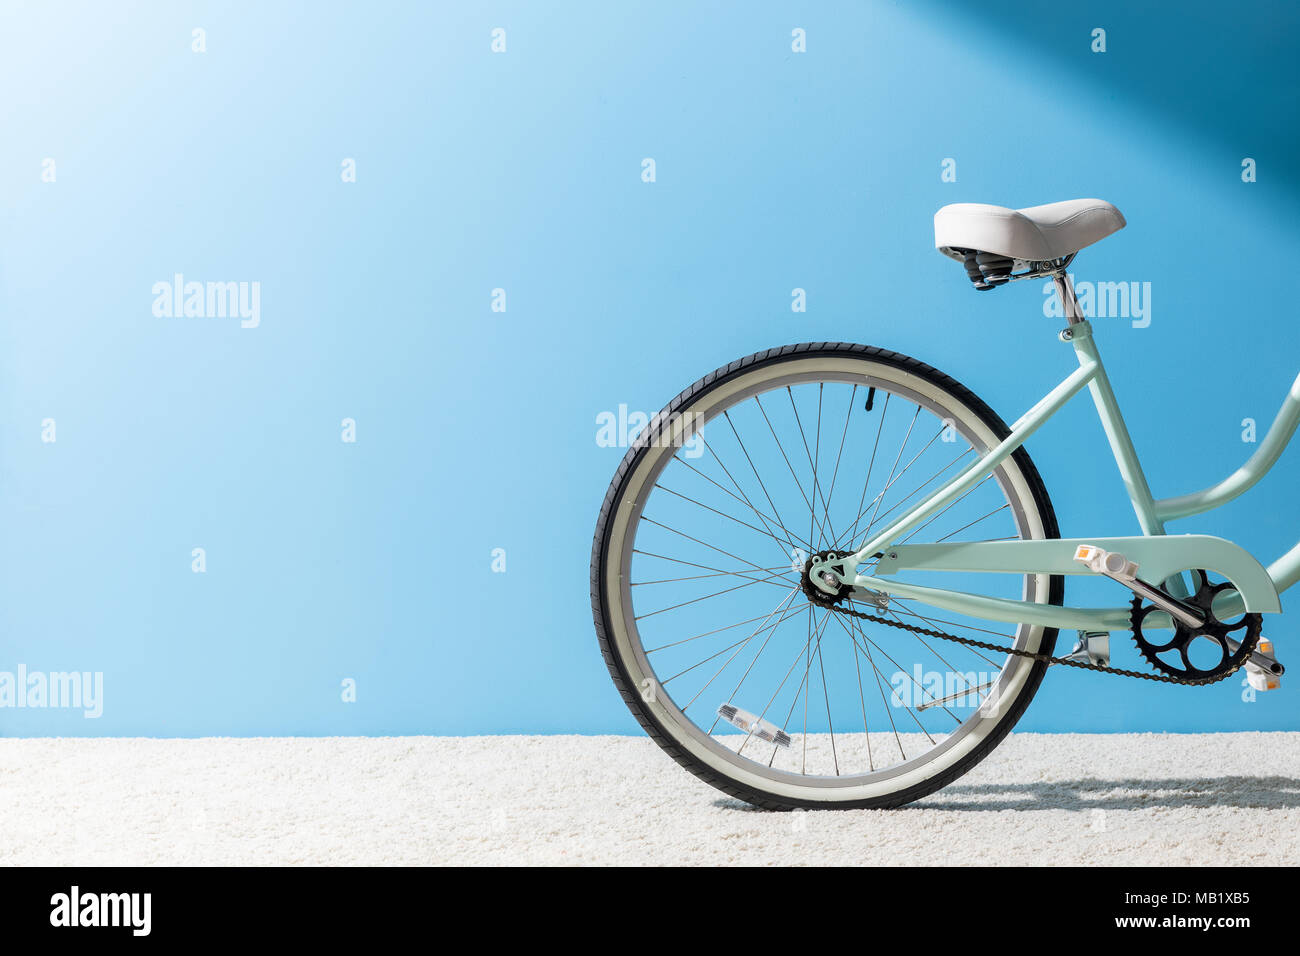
753, 621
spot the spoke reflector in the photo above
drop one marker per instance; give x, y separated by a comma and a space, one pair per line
754, 726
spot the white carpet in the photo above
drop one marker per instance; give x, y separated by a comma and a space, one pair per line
1170, 800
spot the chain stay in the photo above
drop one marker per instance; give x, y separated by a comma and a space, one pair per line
1048, 658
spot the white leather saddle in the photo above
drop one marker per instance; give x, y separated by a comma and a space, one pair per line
1035, 234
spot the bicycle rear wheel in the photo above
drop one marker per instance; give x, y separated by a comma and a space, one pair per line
698, 557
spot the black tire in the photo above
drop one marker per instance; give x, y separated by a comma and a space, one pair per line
600, 580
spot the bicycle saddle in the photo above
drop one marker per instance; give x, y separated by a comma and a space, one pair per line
1035, 234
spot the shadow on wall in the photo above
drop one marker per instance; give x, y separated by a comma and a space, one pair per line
1181, 65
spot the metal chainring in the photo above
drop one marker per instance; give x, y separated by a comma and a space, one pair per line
1213, 630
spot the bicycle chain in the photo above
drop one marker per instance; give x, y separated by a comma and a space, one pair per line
1017, 652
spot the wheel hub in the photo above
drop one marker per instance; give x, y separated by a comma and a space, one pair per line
815, 593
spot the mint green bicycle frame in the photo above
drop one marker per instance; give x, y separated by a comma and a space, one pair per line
1161, 557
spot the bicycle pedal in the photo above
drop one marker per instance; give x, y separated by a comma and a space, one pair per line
1110, 563
1263, 678
754, 726
1118, 568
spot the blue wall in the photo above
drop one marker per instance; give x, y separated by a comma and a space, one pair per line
371, 561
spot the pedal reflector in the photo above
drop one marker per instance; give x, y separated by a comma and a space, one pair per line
1260, 679
755, 726
1110, 563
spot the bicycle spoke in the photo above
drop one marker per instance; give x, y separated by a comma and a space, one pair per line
776, 693
814, 457
876, 671
756, 567
704, 567
902, 671
948, 507
769, 580
745, 451
739, 683
890, 480
943, 660
791, 539
853, 532
973, 523
717, 512
781, 449
840, 454
830, 723
901, 501
862, 699
697, 577
716, 630
758, 631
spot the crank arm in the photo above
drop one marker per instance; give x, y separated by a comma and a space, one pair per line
1161, 599
1120, 569
1259, 658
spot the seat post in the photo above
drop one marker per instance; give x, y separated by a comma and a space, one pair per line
1065, 292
